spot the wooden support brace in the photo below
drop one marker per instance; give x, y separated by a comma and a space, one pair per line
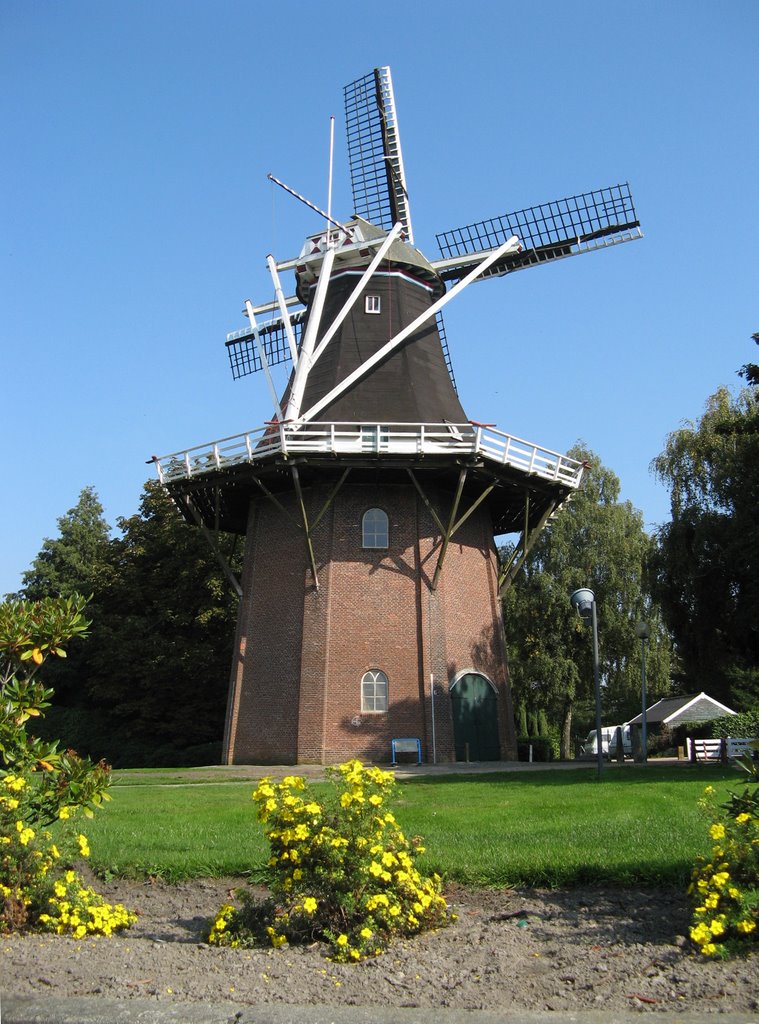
304, 514
507, 576
225, 566
449, 532
330, 499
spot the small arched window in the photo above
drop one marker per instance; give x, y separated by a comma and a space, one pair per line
374, 529
374, 691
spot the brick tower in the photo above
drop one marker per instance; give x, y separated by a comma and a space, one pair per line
370, 597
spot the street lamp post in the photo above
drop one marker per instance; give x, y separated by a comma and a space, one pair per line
642, 630
584, 601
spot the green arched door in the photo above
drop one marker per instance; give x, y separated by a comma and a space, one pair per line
475, 718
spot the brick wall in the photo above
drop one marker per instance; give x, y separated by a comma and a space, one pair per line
295, 693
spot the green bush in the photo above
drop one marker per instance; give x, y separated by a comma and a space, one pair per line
41, 785
745, 724
340, 871
725, 886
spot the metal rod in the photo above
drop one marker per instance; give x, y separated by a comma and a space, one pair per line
331, 161
597, 690
271, 262
310, 205
644, 724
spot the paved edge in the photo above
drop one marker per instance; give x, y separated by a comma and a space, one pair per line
89, 1010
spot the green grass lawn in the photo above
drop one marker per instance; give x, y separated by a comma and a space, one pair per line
635, 826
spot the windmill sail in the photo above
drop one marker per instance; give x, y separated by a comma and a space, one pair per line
555, 230
244, 358
378, 180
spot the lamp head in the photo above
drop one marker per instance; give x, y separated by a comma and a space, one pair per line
642, 630
583, 600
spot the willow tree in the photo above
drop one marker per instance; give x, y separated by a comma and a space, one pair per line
706, 567
598, 542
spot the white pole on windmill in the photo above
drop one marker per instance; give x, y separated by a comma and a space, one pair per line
432, 711
262, 357
331, 164
511, 245
317, 306
363, 281
309, 337
282, 302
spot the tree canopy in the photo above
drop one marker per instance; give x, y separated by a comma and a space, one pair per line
706, 565
71, 562
599, 542
150, 686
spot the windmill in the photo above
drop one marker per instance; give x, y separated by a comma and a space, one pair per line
370, 612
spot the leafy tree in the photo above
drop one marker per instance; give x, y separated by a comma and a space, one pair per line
153, 681
706, 567
71, 563
164, 648
599, 542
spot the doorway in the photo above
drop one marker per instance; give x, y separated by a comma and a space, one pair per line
474, 702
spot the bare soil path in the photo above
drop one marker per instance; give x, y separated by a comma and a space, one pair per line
509, 951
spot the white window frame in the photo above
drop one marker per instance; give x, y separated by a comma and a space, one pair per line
374, 691
371, 536
372, 304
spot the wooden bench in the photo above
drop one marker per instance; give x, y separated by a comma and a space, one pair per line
406, 745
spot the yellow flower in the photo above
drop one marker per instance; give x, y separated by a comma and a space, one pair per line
64, 813
709, 791
310, 904
84, 846
342, 940
746, 926
366, 933
708, 949
717, 926
743, 818
717, 831
700, 933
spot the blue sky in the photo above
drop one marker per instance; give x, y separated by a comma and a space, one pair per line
136, 217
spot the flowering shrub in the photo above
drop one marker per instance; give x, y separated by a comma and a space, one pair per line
725, 888
40, 785
340, 871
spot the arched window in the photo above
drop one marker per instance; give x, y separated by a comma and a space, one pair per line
374, 529
374, 691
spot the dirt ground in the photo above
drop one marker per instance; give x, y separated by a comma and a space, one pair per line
508, 950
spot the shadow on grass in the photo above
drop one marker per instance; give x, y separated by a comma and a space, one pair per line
708, 774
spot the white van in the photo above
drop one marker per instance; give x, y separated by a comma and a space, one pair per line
608, 742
